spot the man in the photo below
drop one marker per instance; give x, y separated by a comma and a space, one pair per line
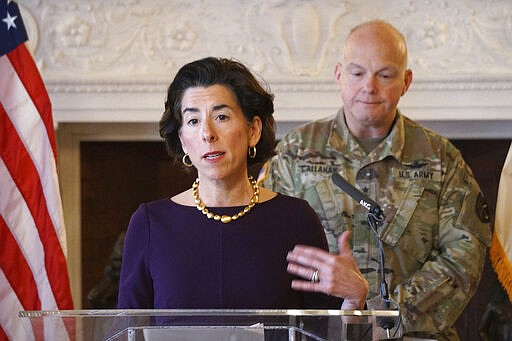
436, 228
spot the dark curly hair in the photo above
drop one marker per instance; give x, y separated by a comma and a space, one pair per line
252, 98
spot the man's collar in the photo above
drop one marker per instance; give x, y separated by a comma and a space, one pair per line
342, 140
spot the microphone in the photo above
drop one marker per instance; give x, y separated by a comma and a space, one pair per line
375, 217
358, 196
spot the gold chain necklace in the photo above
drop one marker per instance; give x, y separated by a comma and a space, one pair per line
225, 218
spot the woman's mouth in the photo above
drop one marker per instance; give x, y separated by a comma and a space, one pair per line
212, 155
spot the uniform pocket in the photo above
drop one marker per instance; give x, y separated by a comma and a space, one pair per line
327, 205
411, 227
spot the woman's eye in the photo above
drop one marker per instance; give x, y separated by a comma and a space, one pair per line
222, 117
192, 121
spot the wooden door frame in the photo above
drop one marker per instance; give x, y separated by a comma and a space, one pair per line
69, 137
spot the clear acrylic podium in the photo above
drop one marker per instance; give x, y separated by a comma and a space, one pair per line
231, 325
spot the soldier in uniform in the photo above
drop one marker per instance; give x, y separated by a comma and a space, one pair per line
436, 227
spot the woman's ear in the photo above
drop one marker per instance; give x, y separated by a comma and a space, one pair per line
181, 142
255, 129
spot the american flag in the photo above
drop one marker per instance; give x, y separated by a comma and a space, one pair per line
501, 247
33, 271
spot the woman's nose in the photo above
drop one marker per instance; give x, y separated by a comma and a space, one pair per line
208, 133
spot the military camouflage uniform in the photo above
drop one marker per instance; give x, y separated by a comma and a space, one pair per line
437, 226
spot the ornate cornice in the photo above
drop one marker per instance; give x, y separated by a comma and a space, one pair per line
112, 60
151, 86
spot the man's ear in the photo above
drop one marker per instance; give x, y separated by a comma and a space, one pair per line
407, 81
338, 69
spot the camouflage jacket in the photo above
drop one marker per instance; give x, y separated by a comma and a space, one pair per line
437, 225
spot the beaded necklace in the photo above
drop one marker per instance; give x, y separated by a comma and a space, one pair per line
225, 218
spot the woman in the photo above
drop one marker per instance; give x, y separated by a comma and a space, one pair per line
222, 243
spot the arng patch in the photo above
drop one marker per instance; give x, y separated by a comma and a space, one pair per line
482, 209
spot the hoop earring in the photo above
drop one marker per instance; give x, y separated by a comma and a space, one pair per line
252, 152
186, 161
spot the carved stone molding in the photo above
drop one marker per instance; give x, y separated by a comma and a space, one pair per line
97, 54
278, 38
113, 86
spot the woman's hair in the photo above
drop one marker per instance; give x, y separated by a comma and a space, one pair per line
250, 95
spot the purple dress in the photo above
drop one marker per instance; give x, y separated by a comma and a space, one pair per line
176, 258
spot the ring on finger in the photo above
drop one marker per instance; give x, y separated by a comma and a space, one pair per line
314, 277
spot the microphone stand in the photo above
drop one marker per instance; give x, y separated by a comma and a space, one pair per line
374, 219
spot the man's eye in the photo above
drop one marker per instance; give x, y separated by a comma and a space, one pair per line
222, 117
388, 75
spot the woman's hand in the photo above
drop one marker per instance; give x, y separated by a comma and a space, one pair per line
337, 275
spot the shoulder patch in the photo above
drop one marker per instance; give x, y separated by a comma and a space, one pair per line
482, 209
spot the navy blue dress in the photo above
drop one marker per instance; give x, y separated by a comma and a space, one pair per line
176, 258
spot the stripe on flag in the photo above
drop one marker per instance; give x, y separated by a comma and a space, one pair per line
33, 271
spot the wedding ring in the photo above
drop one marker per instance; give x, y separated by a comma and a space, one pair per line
314, 277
